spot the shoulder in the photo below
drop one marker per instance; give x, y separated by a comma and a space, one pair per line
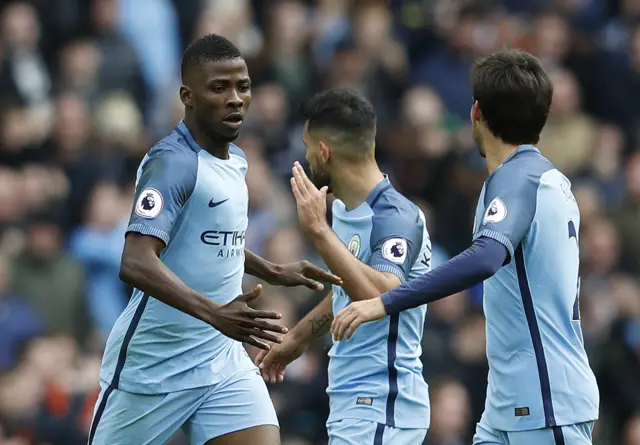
395, 216
170, 152
234, 150
521, 175
392, 207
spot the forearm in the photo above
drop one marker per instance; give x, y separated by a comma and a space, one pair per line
258, 267
359, 281
151, 276
316, 323
481, 261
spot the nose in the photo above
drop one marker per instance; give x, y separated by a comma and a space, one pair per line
234, 100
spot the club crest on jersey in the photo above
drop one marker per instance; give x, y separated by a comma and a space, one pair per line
496, 212
395, 250
149, 203
354, 245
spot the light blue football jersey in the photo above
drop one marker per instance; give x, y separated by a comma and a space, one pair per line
539, 374
377, 374
197, 204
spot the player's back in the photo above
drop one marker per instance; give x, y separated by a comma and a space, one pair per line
197, 204
539, 371
377, 374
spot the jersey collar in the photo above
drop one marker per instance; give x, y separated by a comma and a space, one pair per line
520, 149
378, 190
186, 134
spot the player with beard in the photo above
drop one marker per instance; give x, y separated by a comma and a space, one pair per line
174, 359
378, 239
541, 388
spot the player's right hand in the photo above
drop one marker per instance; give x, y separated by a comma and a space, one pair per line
272, 363
240, 322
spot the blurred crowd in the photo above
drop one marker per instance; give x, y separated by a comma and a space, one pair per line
87, 86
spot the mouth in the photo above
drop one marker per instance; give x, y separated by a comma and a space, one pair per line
233, 120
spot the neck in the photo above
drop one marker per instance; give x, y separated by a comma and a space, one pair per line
496, 153
354, 182
216, 147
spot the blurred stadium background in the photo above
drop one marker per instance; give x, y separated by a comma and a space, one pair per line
87, 86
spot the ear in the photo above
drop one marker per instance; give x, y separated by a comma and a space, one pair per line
186, 96
325, 152
476, 114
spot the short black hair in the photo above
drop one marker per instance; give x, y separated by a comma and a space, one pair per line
208, 48
344, 116
514, 94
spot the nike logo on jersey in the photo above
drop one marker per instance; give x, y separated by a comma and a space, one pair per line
212, 203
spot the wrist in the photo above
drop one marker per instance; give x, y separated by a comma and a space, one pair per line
209, 311
318, 232
387, 301
299, 335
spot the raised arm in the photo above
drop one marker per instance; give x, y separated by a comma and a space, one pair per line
359, 280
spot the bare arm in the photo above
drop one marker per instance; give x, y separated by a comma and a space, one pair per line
359, 280
142, 268
258, 267
316, 323
299, 273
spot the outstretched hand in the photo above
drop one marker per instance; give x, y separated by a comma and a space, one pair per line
238, 321
303, 273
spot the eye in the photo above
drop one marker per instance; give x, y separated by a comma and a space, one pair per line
218, 89
245, 87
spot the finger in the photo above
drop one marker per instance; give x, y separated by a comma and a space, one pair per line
255, 342
311, 284
267, 360
297, 176
263, 335
296, 191
343, 324
303, 176
353, 326
260, 358
252, 295
266, 326
273, 375
339, 317
321, 275
281, 374
271, 315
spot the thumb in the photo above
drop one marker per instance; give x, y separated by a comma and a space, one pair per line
324, 191
252, 295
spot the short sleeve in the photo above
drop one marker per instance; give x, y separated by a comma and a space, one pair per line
510, 205
396, 239
166, 179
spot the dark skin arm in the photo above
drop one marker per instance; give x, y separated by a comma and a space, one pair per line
299, 273
142, 268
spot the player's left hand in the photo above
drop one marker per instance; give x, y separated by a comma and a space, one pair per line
354, 315
311, 202
303, 273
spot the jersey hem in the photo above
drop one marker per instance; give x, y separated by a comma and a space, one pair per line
389, 268
151, 231
500, 238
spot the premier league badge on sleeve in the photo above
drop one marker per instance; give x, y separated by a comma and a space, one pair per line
496, 212
149, 204
395, 250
